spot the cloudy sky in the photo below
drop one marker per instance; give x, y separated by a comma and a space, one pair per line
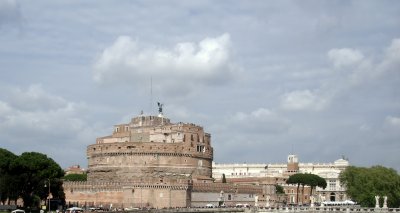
320, 79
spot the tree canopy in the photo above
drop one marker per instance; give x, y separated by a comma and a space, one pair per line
296, 179
279, 189
306, 179
363, 184
7, 182
314, 181
75, 177
29, 177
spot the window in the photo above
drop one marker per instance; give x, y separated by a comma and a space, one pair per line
200, 148
332, 185
229, 197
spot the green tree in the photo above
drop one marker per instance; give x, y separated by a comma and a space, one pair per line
279, 189
314, 181
32, 171
296, 179
306, 179
363, 184
75, 177
7, 183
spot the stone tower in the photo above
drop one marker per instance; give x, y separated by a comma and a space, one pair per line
292, 164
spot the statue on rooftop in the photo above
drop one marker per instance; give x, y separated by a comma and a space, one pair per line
160, 106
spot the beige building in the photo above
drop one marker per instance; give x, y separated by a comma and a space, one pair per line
278, 173
75, 169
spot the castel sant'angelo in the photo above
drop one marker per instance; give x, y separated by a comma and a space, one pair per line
153, 162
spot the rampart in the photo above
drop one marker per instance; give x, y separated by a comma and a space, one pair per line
171, 193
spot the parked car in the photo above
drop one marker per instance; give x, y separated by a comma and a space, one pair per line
18, 211
210, 205
74, 210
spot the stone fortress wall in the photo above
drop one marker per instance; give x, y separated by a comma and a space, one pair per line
128, 194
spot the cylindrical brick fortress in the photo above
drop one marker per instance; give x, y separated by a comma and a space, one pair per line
151, 146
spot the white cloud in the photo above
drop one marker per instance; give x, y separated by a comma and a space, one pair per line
37, 120
365, 128
345, 57
391, 61
393, 51
4, 108
184, 66
359, 71
34, 98
259, 121
302, 100
35, 111
393, 121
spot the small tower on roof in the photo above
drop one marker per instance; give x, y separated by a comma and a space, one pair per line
292, 164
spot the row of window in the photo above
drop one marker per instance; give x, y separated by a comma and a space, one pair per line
244, 173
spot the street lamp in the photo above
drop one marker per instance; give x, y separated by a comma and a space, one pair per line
48, 197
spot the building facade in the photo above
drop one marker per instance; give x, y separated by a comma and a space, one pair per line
278, 174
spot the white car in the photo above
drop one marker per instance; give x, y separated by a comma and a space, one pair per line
74, 210
210, 205
18, 211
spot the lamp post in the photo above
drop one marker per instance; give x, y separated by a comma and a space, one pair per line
48, 197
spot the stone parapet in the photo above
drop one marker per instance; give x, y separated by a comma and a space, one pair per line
227, 188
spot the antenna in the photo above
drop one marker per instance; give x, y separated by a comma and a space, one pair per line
292, 150
151, 94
